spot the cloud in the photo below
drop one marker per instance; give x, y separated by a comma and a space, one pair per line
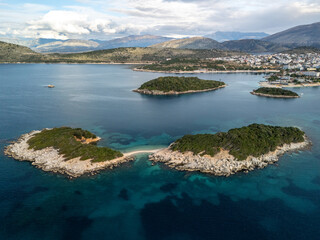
109, 19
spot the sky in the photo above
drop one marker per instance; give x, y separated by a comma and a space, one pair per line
98, 19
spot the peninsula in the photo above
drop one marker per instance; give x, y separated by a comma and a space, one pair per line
274, 93
192, 65
65, 150
226, 153
178, 85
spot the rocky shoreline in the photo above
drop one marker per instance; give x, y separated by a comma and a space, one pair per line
223, 163
273, 96
50, 160
157, 92
208, 71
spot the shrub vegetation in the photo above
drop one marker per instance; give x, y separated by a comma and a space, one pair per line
63, 139
254, 140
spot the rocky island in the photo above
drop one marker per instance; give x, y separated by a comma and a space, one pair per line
274, 93
226, 153
178, 85
65, 150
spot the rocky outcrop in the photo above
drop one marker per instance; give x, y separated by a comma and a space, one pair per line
223, 163
157, 92
49, 159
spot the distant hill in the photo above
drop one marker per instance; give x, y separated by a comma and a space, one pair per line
253, 46
190, 43
67, 46
304, 35
133, 41
246, 45
15, 53
228, 36
45, 45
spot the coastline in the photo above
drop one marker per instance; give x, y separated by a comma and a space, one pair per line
290, 85
49, 159
207, 71
273, 96
223, 163
92, 63
161, 93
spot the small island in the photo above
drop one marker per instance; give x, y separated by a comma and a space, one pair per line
65, 150
226, 153
274, 93
178, 85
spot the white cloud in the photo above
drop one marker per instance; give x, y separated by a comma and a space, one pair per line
108, 19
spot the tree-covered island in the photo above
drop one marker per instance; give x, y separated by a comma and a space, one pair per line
70, 151
274, 92
239, 149
178, 85
73, 143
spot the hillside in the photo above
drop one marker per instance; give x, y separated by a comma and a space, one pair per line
133, 41
44, 45
190, 43
135, 55
71, 45
304, 35
303, 50
229, 36
253, 46
15, 53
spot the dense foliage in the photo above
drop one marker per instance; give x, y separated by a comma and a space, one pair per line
180, 84
276, 92
63, 139
254, 140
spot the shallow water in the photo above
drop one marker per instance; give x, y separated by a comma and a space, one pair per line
138, 200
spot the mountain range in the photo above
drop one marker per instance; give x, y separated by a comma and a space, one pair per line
304, 35
229, 36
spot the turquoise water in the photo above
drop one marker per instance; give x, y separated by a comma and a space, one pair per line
138, 200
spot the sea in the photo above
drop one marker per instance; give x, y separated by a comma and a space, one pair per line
141, 200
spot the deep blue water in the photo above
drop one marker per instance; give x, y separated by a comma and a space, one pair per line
138, 200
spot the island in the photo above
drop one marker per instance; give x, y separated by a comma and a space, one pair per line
226, 153
65, 150
274, 92
178, 85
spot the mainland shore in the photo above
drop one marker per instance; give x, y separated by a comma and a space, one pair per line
290, 85
223, 163
208, 71
50, 160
